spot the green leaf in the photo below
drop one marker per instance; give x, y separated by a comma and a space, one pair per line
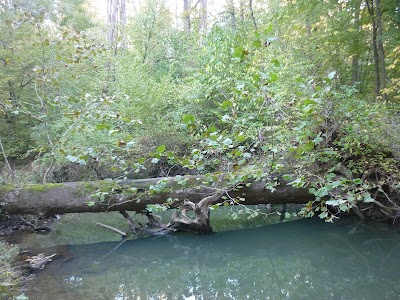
367, 198
188, 119
271, 186
268, 30
273, 77
141, 160
246, 155
332, 202
161, 149
309, 102
103, 126
299, 182
226, 104
257, 44
215, 206
308, 146
287, 177
308, 109
227, 142
72, 158
237, 51
276, 62
132, 190
336, 184
240, 137
90, 203
256, 78
323, 215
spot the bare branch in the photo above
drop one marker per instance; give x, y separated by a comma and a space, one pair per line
112, 229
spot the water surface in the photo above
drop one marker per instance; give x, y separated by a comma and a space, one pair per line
303, 259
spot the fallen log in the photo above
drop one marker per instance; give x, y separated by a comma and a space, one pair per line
135, 195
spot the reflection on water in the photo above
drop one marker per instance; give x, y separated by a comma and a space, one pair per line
296, 260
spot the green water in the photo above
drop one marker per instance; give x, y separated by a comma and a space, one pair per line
303, 259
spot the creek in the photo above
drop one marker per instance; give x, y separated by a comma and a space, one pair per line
301, 259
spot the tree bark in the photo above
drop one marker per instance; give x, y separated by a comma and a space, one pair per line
241, 9
355, 59
186, 16
203, 17
252, 15
135, 195
232, 12
371, 11
381, 50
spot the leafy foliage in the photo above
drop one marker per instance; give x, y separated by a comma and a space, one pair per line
288, 92
9, 276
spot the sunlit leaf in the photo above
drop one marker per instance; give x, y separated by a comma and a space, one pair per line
161, 149
103, 126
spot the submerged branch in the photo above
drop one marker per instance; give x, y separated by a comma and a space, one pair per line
112, 229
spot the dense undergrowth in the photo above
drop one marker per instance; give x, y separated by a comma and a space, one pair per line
9, 276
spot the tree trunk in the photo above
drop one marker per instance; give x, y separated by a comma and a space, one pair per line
371, 10
122, 18
252, 14
232, 12
135, 195
241, 9
355, 59
381, 50
112, 9
203, 17
186, 16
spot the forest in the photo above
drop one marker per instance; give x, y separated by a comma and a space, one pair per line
295, 95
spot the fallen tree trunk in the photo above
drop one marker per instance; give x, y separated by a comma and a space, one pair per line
135, 195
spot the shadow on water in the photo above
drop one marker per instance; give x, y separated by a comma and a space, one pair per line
303, 259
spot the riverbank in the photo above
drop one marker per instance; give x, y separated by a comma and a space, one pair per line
10, 276
13, 278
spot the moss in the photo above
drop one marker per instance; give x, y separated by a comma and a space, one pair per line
105, 185
88, 188
41, 187
6, 188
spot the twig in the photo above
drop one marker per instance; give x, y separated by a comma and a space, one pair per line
112, 229
131, 223
358, 212
39, 261
387, 196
